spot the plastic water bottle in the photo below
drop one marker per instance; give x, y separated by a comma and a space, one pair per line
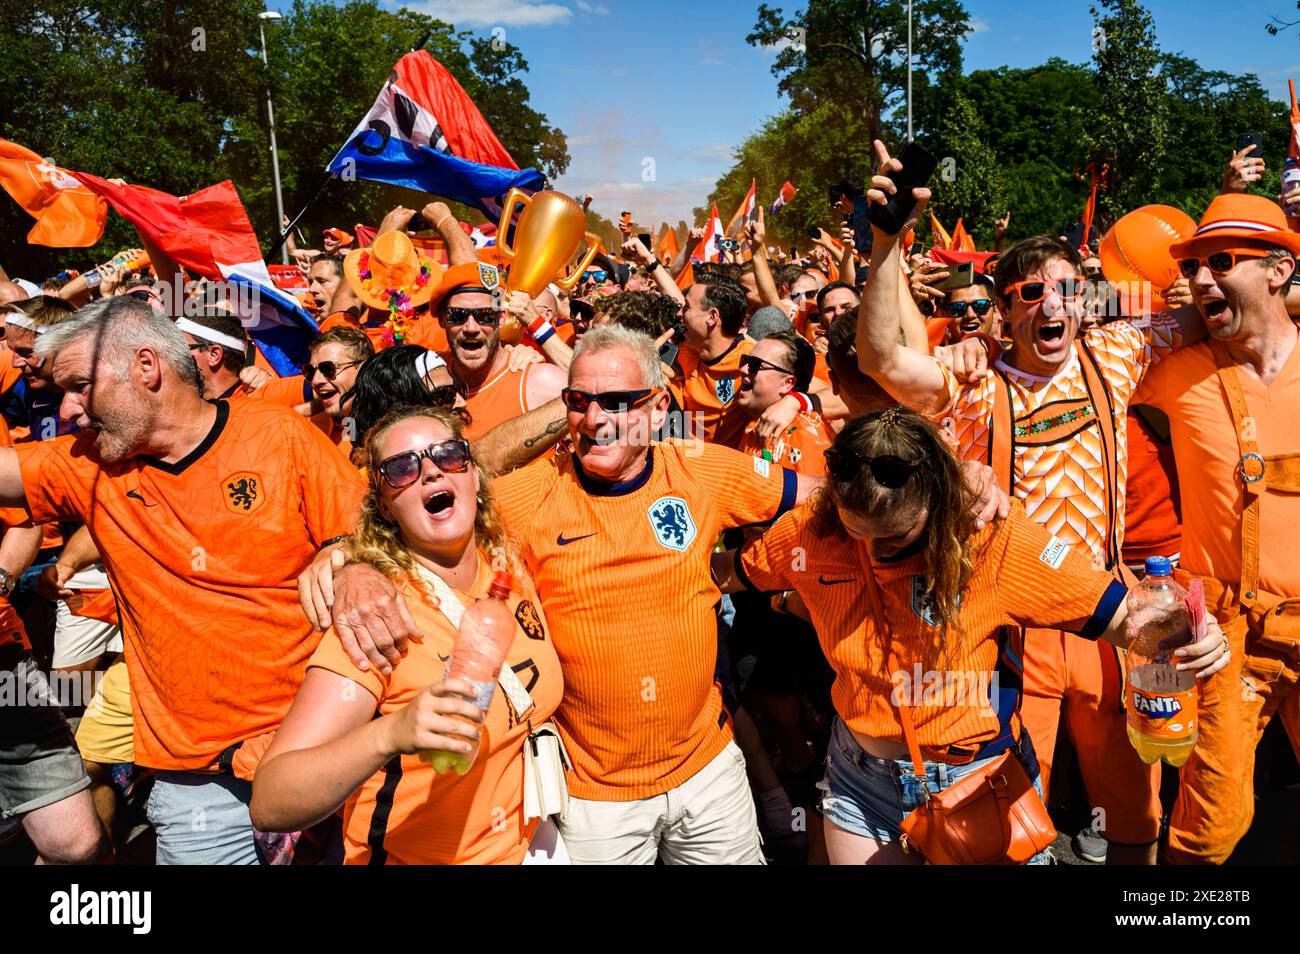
1290, 174
1161, 700
486, 632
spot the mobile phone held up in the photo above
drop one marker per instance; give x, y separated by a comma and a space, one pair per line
918, 166
1251, 139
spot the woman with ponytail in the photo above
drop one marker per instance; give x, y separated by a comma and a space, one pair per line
913, 603
352, 736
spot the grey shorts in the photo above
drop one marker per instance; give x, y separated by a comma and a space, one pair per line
39, 762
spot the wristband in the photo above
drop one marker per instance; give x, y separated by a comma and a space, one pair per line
805, 401
540, 329
333, 540
653, 265
438, 225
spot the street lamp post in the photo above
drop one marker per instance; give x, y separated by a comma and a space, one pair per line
909, 72
270, 118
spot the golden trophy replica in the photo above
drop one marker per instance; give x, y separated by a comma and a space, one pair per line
549, 231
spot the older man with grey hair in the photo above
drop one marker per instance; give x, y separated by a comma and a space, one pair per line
616, 531
205, 513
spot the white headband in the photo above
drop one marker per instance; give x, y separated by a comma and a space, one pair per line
428, 362
207, 334
22, 321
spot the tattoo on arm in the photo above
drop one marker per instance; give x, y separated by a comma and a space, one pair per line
552, 429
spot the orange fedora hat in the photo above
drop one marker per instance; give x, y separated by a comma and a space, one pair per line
1252, 218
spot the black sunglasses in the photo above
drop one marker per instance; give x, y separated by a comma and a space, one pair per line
613, 402
444, 395
752, 365
887, 470
486, 316
329, 369
980, 306
1218, 262
450, 456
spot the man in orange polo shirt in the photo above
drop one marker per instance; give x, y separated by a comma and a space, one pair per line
1232, 403
205, 513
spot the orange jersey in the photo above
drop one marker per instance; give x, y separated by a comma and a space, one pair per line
623, 572
9, 375
802, 447
1023, 577
1062, 482
411, 815
1151, 521
338, 433
709, 393
821, 370
11, 627
204, 556
283, 392
501, 398
1206, 451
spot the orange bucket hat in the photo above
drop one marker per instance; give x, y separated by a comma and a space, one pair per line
343, 238
1250, 217
391, 275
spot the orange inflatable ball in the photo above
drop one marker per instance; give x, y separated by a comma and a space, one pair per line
1136, 249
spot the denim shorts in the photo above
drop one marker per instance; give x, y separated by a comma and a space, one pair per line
39, 764
870, 797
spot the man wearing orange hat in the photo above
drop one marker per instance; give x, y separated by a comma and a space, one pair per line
470, 302
1049, 418
1231, 401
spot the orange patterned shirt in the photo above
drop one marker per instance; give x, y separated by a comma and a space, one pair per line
1063, 483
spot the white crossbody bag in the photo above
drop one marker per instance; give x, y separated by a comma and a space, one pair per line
546, 792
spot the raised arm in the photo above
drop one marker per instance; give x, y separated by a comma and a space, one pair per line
635, 250
757, 234
911, 377
460, 247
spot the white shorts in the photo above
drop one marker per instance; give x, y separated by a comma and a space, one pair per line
78, 639
707, 820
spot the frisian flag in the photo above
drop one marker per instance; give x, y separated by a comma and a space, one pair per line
784, 198
209, 233
425, 133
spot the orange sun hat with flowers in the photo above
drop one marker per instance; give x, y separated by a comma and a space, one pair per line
391, 275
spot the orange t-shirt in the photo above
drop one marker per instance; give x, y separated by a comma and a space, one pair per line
283, 392
821, 369
500, 398
408, 814
1186, 387
623, 571
802, 447
204, 556
11, 626
709, 393
1152, 525
9, 375
1023, 576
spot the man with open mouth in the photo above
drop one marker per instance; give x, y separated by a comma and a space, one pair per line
1049, 419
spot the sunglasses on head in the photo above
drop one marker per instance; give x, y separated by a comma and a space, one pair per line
612, 402
329, 369
1217, 262
401, 470
486, 316
980, 306
1035, 291
752, 365
887, 470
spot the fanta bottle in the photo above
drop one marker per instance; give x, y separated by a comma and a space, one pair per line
1161, 700
486, 631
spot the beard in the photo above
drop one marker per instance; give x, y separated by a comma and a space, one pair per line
119, 434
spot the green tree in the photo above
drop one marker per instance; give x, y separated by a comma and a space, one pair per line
172, 95
969, 182
1130, 126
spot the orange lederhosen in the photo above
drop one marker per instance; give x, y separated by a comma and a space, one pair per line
1084, 679
1216, 801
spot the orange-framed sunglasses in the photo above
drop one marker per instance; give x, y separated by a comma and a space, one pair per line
1034, 291
1218, 262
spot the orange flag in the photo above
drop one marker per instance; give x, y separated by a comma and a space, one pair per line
67, 214
961, 242
744, 213
667, 248
1295, 123
938, 234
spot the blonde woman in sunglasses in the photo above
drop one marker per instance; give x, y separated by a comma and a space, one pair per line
352, 737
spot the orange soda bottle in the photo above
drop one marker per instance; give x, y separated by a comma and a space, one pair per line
1160, 699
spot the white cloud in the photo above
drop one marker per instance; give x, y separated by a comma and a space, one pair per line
599, 9
519, 13
979, 26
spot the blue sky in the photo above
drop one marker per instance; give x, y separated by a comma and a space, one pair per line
675, 81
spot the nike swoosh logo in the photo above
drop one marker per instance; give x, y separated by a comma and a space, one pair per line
132, 493
563, 541
825, 582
